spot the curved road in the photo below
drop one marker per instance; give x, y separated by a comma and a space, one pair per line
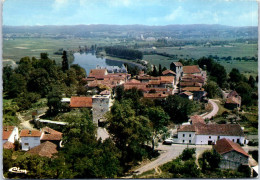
173, 151
214, 110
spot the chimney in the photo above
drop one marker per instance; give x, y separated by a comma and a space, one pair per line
30, 132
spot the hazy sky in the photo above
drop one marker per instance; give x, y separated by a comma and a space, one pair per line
148, 12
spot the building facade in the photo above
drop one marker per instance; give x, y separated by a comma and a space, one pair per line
100, 105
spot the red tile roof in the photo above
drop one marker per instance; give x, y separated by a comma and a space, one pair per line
197, 119
155, 95
232, 94
80, 102
192, 89
8, 145
168, 72
30, 133
215, 129
225, 145
177, 63
187, 128
7, 131
105, 92
191, 69
97, 72
154, 82
46, 149
50, 134
232, 100
190, 84
167, 79
187, 93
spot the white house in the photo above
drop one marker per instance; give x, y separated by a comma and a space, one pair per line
30, 138
10, 133
201, 133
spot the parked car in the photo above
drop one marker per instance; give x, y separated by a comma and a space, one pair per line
168, 141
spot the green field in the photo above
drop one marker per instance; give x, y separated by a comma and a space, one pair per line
196, 52
15, 49
20, 47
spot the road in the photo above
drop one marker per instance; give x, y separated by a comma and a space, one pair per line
173, 151
214, 110
102, 133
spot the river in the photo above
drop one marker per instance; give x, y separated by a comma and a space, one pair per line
90, 61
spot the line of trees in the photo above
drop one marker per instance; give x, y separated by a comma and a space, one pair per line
123, 52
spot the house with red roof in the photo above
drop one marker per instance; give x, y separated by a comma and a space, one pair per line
201, 133
187, 95
233, 155
30, 138
46, 149
233, 100
198, 92
10, 134
51, 135
194, 70
80, 102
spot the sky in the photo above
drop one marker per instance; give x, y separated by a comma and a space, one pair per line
122, 12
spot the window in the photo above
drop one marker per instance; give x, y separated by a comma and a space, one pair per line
209, 137
183, 135
233, 140
183, 141
26, 144
189, 135
189, 141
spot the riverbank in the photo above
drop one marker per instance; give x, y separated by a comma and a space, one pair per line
131, 62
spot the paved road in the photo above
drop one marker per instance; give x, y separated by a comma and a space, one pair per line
102, 133
173, 151
214, 110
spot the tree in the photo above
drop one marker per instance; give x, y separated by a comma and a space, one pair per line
219, 72
129, 132
7, 72
7, 160
245, 169
235, 76
210, 160
154, 73
16, 85
251, 81
158, 121
245, 91
44, 56
212, 89
178, 108
160, 70
54, 100
39, 82
86, 156
187, 154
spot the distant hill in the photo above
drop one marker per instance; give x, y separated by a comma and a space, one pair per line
174, 31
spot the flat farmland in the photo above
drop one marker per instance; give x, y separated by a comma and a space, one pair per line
196, 52
234, 50
15, 49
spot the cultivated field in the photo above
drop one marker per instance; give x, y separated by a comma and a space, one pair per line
15, 49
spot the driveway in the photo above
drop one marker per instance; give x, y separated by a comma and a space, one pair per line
214, 110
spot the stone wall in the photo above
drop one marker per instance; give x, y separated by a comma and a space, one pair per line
100, 105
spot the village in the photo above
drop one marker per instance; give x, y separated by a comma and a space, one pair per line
200, 132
